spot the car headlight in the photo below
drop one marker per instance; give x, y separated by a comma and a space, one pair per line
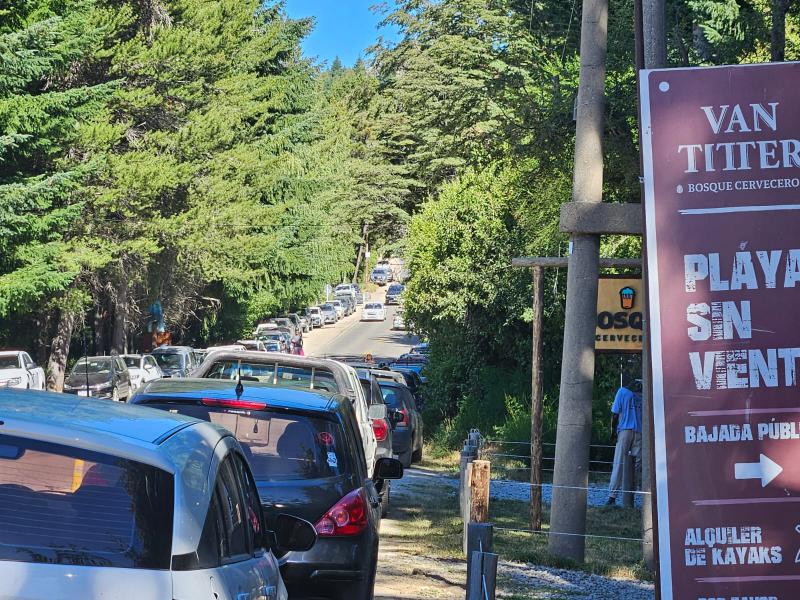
11, 382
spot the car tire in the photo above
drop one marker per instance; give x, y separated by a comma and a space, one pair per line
405, 458
416, 456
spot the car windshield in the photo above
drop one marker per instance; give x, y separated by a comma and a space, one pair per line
92, 366
9, 362
396, 396
170, 360
278, 446
132, 362
62, 505
269, 336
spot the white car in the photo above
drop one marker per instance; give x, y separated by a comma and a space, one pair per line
100, 500
17, 370
253, 345
374, 311
143, 369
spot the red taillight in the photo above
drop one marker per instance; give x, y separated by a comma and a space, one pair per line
381, 429
404, 422
233, 403
347, 517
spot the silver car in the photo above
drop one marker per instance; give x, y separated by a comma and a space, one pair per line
106, 500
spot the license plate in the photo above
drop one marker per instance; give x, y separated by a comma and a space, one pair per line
83, 393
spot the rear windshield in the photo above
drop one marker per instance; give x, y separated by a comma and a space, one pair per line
278, 446
270, 373
373, 306
397, 397
170, 361
61, 505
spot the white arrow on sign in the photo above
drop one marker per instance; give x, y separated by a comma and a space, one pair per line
765, 469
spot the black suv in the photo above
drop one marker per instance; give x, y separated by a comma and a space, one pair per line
305, 452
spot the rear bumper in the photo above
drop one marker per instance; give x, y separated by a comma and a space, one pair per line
331, 561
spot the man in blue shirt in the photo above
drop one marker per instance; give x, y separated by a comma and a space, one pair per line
626, 426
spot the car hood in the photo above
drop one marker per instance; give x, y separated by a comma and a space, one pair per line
93, 379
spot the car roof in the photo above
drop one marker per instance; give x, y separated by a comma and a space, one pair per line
11, 352
222, 389
69, 412
173, 349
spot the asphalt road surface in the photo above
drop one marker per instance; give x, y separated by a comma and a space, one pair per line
353, 337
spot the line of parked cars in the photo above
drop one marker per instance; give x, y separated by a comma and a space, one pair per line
258, 475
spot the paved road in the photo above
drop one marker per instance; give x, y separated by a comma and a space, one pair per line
353, 337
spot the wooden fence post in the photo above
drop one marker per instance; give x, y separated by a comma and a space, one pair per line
479, 491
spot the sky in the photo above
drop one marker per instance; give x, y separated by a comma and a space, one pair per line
344, 28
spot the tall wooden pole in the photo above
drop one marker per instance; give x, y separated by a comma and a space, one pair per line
537, 391
654, 42
574, 431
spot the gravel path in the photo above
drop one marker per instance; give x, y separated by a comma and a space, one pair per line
531, 581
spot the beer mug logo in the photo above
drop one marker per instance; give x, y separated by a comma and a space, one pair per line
627, 297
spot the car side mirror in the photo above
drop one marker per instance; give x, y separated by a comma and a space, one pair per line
377, 411
388, 468
294, 534
395, 416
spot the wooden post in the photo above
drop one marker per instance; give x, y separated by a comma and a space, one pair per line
537, 390
466, 502
479, 491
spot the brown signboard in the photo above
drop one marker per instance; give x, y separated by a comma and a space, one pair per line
722, 186
619, 315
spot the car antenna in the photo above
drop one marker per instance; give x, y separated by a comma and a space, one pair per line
239, 386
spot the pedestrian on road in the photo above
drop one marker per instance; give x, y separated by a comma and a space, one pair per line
626, 429
297, 344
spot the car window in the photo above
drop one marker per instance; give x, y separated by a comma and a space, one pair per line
100, 366
252, 505
9, 362
62, 505
151, 362
27, 360
397, 397
234, 512
211, 547
170, 360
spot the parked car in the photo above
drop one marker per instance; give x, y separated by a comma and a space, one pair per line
102, 500
374, 311
301, 322
262, 327
175, 361
348, 303
307, 460
346, 289
300, 372
381, 426
394, 293
381, 275
274, 336
329, 313
142, 368
338, 305
399, 320
411, 362
104, 377
285, 323
253, 345
408, 431
17, 370
314, 314
272, 346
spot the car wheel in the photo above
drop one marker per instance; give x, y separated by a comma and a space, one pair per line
385, 499
416, 456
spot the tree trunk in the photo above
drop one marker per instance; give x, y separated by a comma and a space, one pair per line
779, 10
121, 309
59, 350
361, 253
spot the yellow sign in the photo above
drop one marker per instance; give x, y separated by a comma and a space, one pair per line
619, 315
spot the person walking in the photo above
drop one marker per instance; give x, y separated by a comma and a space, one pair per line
626, 429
